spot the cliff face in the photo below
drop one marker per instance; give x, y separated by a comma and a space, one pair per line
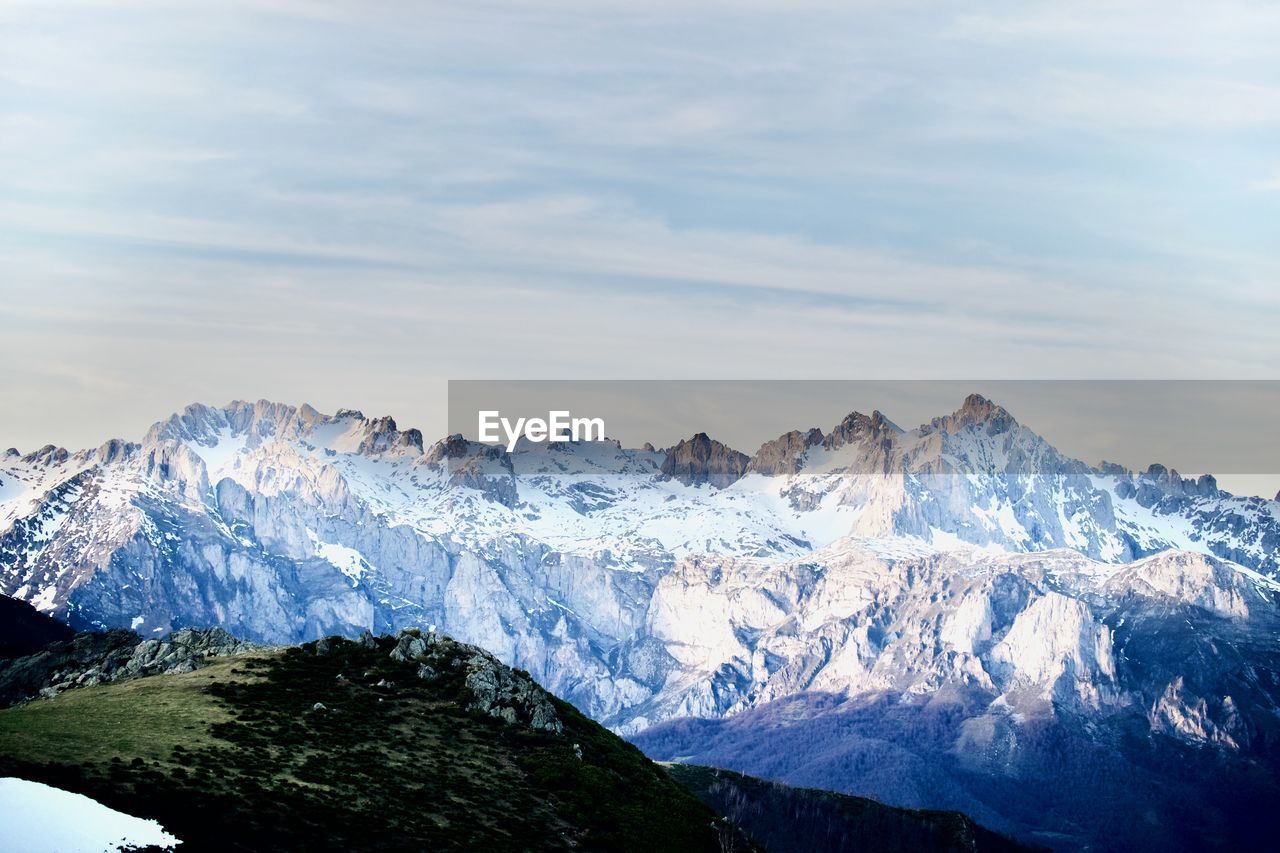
698, 460
785, 454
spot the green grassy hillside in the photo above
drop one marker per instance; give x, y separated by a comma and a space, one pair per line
347, 749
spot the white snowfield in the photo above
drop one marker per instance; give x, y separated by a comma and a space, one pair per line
37, 818
966, 552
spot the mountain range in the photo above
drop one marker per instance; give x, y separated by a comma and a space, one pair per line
951, 616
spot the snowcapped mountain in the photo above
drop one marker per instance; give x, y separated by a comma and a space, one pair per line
649, 584
958, 605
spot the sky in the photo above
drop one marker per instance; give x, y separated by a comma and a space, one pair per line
348, 204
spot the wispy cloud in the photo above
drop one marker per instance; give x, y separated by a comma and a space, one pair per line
265, 197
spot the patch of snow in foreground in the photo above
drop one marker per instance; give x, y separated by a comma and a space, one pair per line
39, 817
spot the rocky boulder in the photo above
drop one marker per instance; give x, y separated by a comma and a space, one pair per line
182, 651
500, 691
496, 690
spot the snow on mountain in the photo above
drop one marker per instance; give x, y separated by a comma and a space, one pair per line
648, 584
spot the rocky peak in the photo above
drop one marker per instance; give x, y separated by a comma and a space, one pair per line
489, 471
380, 435
171, 462
976, 411
1158, 481
702, 459
453, 447
116, 450
12, 453
785, 453
197, 422
858, 427
309, 417
263, 418
486, 468
205, 425
979, 408
265, 421
1114, 469
46, 456
1207, 486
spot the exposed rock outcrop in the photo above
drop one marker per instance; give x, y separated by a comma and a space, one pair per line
702, 459
785, 453
94, 658
857, 427
496, 689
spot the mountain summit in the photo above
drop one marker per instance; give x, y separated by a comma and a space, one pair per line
698, 460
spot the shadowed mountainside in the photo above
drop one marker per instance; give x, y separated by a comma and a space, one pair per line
782, 819
24, 630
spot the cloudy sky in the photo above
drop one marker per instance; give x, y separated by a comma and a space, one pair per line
349, 203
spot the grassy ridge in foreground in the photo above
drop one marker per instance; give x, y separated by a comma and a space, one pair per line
237, 756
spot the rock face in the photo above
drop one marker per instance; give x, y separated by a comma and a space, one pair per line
700, 459
785, 454
493, 688
500, 692
95, 658
858, 428
496, 690
182, 651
